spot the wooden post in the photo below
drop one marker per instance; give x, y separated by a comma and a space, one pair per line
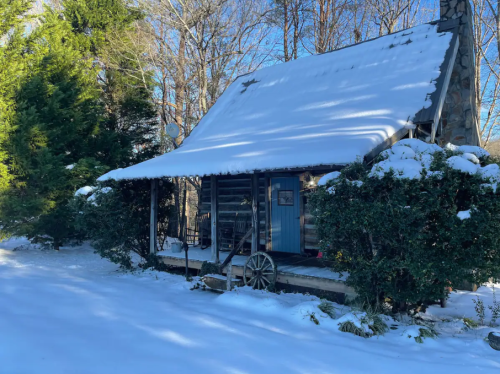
183, 230
267, 188
302, 217
188, 211
255, 213
215, 217
229, 276
153, 223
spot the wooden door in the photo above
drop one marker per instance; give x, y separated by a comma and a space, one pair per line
285, 214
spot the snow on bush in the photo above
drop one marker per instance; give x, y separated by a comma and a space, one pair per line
327, 177
491, 172
84, 190
478, 151
418, 146
464, 214
461, 164
421, 219
471, 157
408, 159
115, 221
419, 333
406, 168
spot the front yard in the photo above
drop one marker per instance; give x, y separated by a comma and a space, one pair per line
73, 312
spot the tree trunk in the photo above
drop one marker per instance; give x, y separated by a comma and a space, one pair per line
180, 84
498, 28
285, 30
296, 26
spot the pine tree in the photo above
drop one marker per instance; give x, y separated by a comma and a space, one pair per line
75, 118
130, 122
12, 24
57, 113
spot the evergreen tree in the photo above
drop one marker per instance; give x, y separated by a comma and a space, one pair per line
75, 118
12, 24
130, 121
57, 115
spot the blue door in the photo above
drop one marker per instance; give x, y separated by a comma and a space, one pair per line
285, 214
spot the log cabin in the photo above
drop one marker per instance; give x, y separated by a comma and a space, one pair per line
274, 132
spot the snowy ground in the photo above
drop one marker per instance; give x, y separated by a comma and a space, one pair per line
71, 312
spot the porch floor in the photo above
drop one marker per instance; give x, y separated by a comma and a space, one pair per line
293, 270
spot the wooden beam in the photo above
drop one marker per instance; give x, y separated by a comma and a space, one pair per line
316, 283
255, 213
214, 213
153, 223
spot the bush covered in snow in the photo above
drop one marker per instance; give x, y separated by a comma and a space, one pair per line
116, 218
418, 221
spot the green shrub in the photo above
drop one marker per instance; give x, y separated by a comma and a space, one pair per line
424, 333
364, 324
350, 327
377, 325
480, 310
469, 323
327, 308
209, 268
116, 218
398, 235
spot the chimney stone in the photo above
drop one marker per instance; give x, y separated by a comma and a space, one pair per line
459, 116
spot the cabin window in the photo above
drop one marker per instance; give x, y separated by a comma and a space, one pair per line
285, 197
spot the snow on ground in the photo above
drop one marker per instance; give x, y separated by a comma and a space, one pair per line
72, 312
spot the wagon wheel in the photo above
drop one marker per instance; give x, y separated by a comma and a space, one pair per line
259, 271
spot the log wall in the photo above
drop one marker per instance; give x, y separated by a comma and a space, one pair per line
235, 197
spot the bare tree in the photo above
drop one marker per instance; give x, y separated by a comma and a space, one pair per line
495, 11
330, 21
196, 48
487, 68
394, 15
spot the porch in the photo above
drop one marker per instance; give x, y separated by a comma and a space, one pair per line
294, 273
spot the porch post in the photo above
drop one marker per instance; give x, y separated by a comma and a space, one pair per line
255, 213
153, 223
267, 197
214, 214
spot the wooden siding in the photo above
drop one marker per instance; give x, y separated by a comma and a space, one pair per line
310, 234
233, 190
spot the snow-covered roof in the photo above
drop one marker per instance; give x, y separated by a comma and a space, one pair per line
327, 109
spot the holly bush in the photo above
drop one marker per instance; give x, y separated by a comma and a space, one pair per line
395, 227
116, 218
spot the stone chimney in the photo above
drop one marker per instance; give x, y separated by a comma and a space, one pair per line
459, 117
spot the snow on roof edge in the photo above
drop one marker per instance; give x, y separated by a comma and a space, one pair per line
108, 175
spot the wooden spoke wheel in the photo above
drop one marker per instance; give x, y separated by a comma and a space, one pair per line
259, 271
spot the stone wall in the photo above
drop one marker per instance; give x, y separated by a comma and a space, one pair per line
459, 117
